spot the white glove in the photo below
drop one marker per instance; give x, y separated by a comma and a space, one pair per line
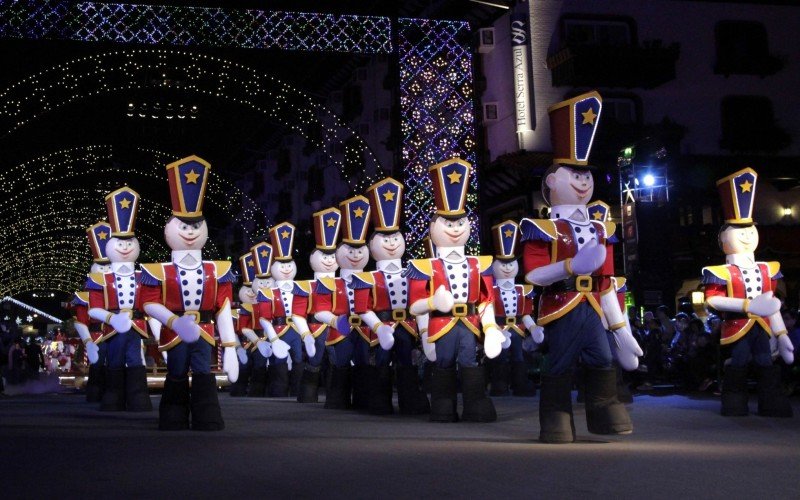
385, 335
428, 348
529, 344
786, 349
507, 342
311, 348
120, 322
628, 350
764, 305
187, 329
280, 349
493, 342
230, 364
242, 353
443, 300
91, 352
265, 348
537, 332
589, 258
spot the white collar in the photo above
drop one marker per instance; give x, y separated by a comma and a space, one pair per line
347, 274
389, 266
505, 283
187, 259
454, 255
744, 260
572, 213
285, 285
122, 268
320, 275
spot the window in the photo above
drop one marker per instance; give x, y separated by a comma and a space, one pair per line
743, 48
748, 124
605, 31
622, 110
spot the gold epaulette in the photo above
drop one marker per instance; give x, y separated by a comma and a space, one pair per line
82, 296
722, 272
222, 267
247, 307
305, 286
484, 262
329, 283
620, 281
610, 228
266, 293
97, 278
421, 266
774, 268
547, 226
154, 270
366, 277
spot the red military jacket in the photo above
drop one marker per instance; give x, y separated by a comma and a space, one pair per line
372, 294
271, 307
80, 308
425, 276
243, 318
103, 294
523, 297
546, 241
161, 284
331, 294
728, 281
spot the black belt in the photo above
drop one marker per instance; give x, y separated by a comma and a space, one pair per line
136, 314
205, 316
394, 315
508, 320
581, 283
281, 321
459, 311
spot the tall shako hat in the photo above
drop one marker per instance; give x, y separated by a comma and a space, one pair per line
450, 181
355, 220
573, 124
282, 238
98, 235
386, 201
122, 206
188, 179
598, 211
738, 192
326, 228
248, 268
262, 258
506, 237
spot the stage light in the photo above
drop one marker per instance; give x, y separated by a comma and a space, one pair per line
649, 180
787, 211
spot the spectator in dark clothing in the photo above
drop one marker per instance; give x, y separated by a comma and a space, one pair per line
34, 359
16, 360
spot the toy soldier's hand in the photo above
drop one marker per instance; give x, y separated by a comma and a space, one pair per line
311, 348
443, 300
385, 335
764, 305
786, 349
265, 348
537, 332
230, 363
428, 348
120, 322
493, 342
589, 258
507, 342
241, 352
627, 349
280, 349
187, 329
529, 344
91, 352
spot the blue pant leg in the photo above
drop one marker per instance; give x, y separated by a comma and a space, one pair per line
361, 349
257, 360
200, 357
115, 351
404, 344
596, 352
467, 345
762, 353
564, 341
292, 338
515, 352
102, 354
742, 351
133, 349
341, 353
178, 360
382, 356
446, 350
319, 343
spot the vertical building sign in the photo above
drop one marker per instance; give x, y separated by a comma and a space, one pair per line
520, 41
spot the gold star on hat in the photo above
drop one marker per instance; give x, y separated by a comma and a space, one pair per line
454, 177
125, 203
746, 185
588, 117
191, 177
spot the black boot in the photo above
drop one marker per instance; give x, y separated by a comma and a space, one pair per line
427, 373
239, 388
137, 397
772, 402
443, 395
521, 384
363, 378
173, 411
278, 380
114, 397
337, 394
624, 394
380, 397
295, 377
410, 398
206, 413
95, 383
257, 387
309, 385
734, 392
477, 406
555, 409
499, 373
604, 413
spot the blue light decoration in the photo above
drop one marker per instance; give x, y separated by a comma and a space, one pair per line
194, 26
437, 117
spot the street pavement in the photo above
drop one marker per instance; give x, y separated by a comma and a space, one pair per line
58, 446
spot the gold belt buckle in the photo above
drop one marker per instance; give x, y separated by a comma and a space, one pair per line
511, 320
460, 310
354, 320
399, 314
290, 321
194, 314
583, 283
